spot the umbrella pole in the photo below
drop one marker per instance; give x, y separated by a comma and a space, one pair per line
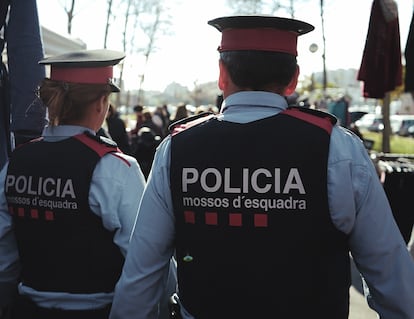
386, 132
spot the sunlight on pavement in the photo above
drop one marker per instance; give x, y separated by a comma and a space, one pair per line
359, 308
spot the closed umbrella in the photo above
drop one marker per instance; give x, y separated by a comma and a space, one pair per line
21, 112
5, 142
409, 59
24, 50
381, 67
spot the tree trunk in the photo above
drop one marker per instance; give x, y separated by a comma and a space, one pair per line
386, 132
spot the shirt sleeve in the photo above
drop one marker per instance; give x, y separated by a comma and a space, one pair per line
148, 266
360, 208
116, 190
9, 257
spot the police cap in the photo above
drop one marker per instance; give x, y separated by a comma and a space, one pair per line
85, 67
260, 33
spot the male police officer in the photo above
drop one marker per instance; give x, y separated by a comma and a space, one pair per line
262, 204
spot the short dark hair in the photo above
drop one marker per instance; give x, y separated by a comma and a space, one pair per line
260, 70
138, 108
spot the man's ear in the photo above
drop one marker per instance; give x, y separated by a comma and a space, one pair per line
223, 80
293, 83
103, 104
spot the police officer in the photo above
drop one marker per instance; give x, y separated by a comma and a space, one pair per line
263, 203
68, 200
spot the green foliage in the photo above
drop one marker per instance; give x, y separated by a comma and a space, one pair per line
398, 144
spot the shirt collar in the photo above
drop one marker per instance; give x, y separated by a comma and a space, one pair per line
60, 132
249, 106
254, 98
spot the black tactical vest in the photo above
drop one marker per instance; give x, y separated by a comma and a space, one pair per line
63, 245
254, 235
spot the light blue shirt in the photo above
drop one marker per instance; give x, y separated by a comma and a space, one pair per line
358, 207
114, 195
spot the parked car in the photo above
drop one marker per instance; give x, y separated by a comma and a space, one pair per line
374, 123
370, 122
406, 122
410, 130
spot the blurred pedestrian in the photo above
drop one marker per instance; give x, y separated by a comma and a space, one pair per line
161, 118
263, 204
340, 108
166, 111
68, 200
138, 109
180, 113
148, 121
146, 143
117, 129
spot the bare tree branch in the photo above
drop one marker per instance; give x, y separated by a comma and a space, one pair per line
151, 31
246, 6
70, 14
107, 25
262, 6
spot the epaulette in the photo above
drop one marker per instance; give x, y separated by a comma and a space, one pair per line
100, 144
189, 121
324, 120
37, 139
318, 113
102, 139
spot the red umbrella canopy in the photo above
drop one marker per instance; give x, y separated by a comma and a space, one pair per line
381, 67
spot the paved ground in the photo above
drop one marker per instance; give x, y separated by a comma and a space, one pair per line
359, 308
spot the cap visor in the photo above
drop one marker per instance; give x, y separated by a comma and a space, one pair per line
114, 88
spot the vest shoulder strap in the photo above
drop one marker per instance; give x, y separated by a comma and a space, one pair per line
100, 144
188, 122
319, 118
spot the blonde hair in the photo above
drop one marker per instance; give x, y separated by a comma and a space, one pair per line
68, 102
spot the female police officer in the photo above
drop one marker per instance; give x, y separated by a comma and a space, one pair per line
70, 197
262, 204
